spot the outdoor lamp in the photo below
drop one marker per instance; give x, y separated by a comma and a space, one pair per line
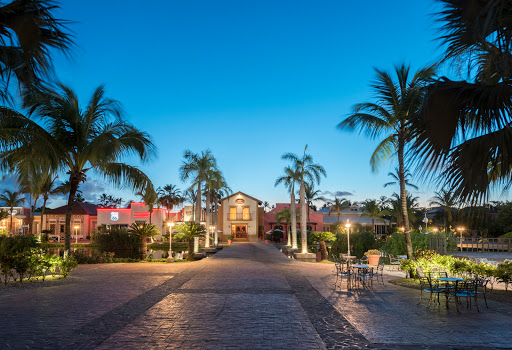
76, 233
347, 225
169, 258
460, 230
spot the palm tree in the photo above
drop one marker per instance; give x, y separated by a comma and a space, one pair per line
143, 230
28, 33
47, 188
397, 103
446, 200
212, 180
396, 179
308, 171
188, 231
196, 166
109, 201
169, 196
396, 208
76, 141
372, 210
217, 189
191, 196
11, 200
289, 179
149, 197
312, 195
286, 216
338, 206
474, 144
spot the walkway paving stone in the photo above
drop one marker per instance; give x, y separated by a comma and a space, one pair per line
248, 296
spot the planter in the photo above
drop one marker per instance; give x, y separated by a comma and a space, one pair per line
373, 259
229, 242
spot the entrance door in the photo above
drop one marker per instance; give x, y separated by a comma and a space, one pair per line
239, 231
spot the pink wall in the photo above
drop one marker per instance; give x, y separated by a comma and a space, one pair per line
313, 218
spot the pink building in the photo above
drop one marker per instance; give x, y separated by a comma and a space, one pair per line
315, 220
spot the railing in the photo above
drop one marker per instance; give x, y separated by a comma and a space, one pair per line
444, 245
239, 216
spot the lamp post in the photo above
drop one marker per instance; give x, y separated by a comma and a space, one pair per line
169, 258
76, 233
347, 225
460, 229
425, 220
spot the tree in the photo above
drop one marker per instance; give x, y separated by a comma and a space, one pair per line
474, 144
338, 206
28, 33
285, 215
196, 166
191, 196
322, 238
289, 179
215, 188
396, 105
188, 231
372, 210
396, 208
311, 196
446, 200
396, 179
109, 201
47, 189
75, 141
170, 196
149, 197
11, 199
307, 171
143, 230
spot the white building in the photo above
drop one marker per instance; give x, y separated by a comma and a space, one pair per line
240, 216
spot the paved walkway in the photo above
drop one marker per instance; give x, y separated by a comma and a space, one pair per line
248, 296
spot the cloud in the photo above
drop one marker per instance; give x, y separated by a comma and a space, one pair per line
337, 193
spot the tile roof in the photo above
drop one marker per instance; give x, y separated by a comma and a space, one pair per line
79, 208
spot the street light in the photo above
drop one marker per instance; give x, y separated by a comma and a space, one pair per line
425, 220
212, 230
347, 225
76, 233
460, 229
435, 229
169, 258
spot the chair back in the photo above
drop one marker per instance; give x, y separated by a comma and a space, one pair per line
419, 270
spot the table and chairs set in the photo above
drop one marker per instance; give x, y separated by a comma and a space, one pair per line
356, 272
437, 282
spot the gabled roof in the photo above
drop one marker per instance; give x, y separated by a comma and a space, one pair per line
239, 192
79, 208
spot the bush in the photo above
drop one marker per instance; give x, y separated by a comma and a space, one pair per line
120, 242
83, 257
359, 244
67, 265
504, 273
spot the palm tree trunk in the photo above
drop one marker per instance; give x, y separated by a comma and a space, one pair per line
303, 218
207, 224
288, 226
216, 221
73, 182
403, 198
293, 215
12, 233
32, 214
198, 202
143, 248
45, 198
323, 250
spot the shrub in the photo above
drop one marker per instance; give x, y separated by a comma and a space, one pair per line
119, 242
67, 265
359, 244
372, 252
503, 273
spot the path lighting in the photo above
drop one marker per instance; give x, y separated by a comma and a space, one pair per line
212, 230
402, 228
435, 229
347, 225
460, 229
76, 233
169, 258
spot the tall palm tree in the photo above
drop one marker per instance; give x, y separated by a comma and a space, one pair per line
11, 199
308, 171
191, 196
213, 178
372, 210
338, 206
396, 105
169, 196
76, 141
217, 189
474, 144
396, 179
28, 33
149, 197
196, 166
47, 189
447, 200
289, 179
396, 212
312, 195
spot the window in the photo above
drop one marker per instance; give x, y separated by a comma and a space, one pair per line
232, 213
245, 213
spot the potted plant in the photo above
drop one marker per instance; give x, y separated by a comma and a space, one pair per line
373, 256
230, 239
268, 237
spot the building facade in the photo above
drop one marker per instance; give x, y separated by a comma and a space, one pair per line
83, 221
240, 216
315, 220
355, 216
20, 220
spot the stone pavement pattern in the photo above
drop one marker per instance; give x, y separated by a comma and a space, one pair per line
248, 296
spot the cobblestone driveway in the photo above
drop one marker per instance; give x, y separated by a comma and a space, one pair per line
248, 296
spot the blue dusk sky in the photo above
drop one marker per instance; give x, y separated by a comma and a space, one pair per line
250, 80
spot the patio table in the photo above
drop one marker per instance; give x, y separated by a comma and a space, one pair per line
359, 266
451, 279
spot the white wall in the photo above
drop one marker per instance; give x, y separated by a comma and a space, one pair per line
252, 225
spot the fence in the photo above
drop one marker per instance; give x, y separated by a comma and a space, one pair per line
443, 245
